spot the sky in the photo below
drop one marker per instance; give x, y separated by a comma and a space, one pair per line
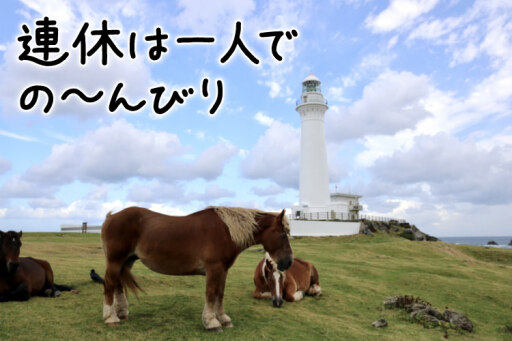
419, 120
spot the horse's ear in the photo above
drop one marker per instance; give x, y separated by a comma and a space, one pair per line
20, 234
281, 216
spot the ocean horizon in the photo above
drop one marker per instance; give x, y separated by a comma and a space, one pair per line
502, 241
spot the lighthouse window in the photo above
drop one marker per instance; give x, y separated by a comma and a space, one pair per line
311, 87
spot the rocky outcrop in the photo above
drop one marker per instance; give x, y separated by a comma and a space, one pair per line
492, 242
458, 320
380, 323
405, 230
424, 313
510, 243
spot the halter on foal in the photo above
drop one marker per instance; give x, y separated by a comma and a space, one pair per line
22, 277
203, 243
299, 280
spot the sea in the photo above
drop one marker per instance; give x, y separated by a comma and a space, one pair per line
479, 241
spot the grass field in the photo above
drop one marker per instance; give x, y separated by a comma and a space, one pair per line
356, 274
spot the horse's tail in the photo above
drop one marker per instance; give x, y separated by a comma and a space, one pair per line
63, 287
126, 277
314, 286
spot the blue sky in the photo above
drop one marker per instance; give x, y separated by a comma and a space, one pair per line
419, 120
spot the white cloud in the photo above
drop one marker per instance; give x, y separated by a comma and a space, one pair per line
16, 76
5, 165
275, 156
335, 94
159, 192
115, 153
456, 171
393, 102
263, 119
269, 190
398, 14
18, 136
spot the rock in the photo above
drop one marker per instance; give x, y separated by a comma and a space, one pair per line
390, 302
434, 312
510, 243
423, 316
457, 319
407, 234
380, 323
415, 307
492, 242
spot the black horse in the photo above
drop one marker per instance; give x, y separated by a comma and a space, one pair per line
23, 277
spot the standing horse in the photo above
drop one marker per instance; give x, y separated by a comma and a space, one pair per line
203, 243
301, 278
22, 277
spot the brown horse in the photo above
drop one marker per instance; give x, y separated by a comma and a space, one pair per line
299, 280
203, 243
22, 277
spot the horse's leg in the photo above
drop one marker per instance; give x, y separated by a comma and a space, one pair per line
290, 291
120, 301
215, 277
21, 293
49, 287
257, 293
111, 283
224, 319
314, 288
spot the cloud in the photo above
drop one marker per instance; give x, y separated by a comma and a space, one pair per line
275, 156
456, 171
159, 192
263, 119
115, 153
17, 187
16, 75
392, 102
269, 190
398, 14
17, 136
5, 165
211, 17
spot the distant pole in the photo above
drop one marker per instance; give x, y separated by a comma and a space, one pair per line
84, 227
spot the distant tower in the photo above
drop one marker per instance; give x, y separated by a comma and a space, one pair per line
314, 178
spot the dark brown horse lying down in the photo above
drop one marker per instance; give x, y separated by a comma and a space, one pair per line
299, 280
22, 277
203, 243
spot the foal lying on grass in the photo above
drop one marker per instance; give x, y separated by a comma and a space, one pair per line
299, 280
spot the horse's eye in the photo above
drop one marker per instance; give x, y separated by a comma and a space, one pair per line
284, 236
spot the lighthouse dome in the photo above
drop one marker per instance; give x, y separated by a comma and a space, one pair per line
311, 77
311, 84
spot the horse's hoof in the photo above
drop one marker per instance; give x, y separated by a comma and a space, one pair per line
228, 324
48, 292
123, 318
215, 330
57, 293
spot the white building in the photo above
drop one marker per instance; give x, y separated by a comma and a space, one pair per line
315, 201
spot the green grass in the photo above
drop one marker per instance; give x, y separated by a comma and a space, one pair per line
356, 274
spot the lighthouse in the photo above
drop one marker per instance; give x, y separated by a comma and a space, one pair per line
315, 200
314, 178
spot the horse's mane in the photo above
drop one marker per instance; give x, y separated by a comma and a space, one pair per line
241, 223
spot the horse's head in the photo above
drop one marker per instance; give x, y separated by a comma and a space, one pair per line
10, 249
275, 241
275, 281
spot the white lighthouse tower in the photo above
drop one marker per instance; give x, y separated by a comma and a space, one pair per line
314, 178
